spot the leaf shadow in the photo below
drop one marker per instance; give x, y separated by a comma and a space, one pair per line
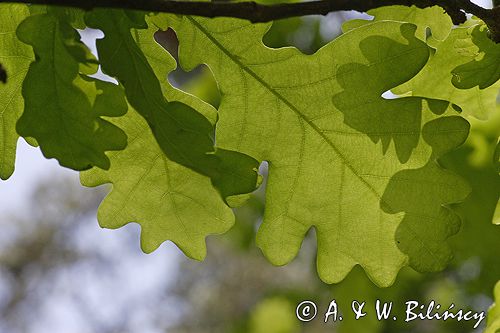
363, 105
185, 135
423, 193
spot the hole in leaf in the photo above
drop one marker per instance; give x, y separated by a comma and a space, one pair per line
89, 37
303, 33
199, 81
389, 95
308, 34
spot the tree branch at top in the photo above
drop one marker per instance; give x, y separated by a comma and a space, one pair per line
256, 12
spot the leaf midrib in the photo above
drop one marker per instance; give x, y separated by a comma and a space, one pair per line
292, 107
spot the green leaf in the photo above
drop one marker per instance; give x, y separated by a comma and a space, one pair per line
15, 58
74, 16
496, 156
184, 134
298, 112
496, 161
453, 48
185, 207
433, 18
484, 70
493, 321
421, 203
496, 215
168, 200
63, 107
435, 79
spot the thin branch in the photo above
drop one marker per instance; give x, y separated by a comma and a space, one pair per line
255, 12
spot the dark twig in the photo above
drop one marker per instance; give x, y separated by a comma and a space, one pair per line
256, 12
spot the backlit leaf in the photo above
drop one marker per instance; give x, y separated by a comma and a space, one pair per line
64, 107
184, 134
493, 323
433, 18
331, 165
15, 58
435, 79
483, 71
496, 160
168, 200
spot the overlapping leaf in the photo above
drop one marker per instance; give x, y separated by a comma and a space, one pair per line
496, 160
484, 70
168, 200
493, 323
435, 80
496, 157
329, 162
15, 58
434, 18
185, 135
454, 48
63, 107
